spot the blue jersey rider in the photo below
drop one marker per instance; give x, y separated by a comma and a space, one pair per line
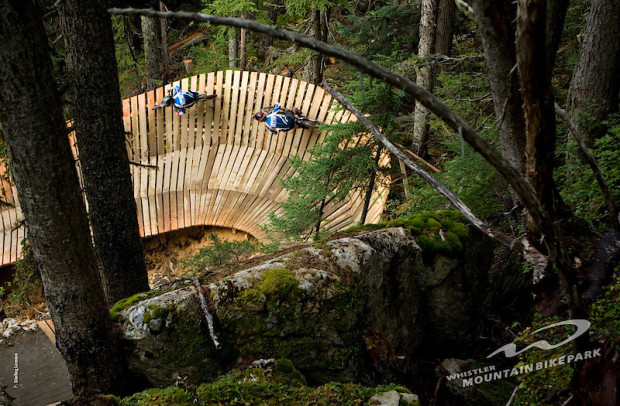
183, 100
279, 119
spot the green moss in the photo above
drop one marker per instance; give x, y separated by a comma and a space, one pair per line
278, 283
130, 301
156, 312
441, 232
286, 366
354, 229
163, 397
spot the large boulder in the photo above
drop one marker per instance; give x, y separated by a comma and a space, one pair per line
354, 309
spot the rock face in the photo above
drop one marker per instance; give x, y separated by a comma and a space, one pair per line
354, 309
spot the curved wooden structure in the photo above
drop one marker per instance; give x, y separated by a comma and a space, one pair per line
215, 165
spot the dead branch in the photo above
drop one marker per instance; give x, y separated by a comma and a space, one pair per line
143, 165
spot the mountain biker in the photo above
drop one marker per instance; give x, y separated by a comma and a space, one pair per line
278, 119
182, 100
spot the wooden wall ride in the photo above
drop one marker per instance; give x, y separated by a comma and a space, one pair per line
214, 165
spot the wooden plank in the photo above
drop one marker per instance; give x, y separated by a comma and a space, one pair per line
275, 98
143, 158
262, 129
217, 115
234, 105
243, 96
249, 109
257, 127
226, 106
152, 160
160, 137
285, 149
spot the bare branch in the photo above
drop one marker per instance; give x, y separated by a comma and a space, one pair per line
572, 129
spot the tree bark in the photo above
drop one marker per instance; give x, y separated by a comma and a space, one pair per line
233, 47
315, 64
596, 80
424, 76
445, 27
538, 106
538, 102
165, 56
243, 52
151, 51
47, 186
497, 37
91, 63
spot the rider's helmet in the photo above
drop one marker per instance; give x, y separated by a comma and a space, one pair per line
260, 116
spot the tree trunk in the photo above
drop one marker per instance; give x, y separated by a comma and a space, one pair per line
151, 51
315, 64
497, 37
165, 56
233, 46
538, 102
539, 109
272, 16
243, 52
424, 76
596, 80
445, 27
89, 54
445, 32
47, 186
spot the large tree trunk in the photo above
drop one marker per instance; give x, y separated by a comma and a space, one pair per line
47, 186
539, 109
150, 34
445, 27
424, 76
233, 46
315, 64
89, 53
497, 37
596, 80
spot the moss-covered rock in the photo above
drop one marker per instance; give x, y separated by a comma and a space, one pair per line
265, 382
351, 309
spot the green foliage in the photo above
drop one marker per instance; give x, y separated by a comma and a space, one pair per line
163, 397
27, 279
534, 386
338, 165
217, 254
390, 27
605, 313
578, 185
